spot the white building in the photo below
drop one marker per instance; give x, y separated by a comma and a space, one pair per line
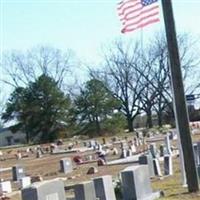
8, 138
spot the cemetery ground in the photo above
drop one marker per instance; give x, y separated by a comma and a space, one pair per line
48, 167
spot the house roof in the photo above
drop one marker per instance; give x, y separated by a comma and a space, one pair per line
2, 130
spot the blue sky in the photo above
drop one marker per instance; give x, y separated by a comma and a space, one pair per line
81, 25
85, 26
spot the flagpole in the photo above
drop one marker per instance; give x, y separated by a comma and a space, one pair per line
141, 46
179, 98
141, 41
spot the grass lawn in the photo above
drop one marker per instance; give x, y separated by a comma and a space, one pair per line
48, 168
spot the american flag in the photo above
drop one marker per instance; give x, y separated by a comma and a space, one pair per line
136, 14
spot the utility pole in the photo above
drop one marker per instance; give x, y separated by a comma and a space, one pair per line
179, 98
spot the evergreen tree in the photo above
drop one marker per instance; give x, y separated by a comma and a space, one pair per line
94, 104
41, 109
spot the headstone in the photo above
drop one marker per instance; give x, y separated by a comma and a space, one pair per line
140, 141
147, 160
85, 191
31, 150
195, 151
168, 168
92, 144
161, 150
46, 190
92, 170
38, 154
182, 165
136, 183
136, 143
66, 165
5, 187
59, 142
85, 144
107, 151
156, 166
144, 142
17, 172
99, 147
137, 134
124, 153
25, 181
198, 172
153, 150
37, 178
150, 134
172, 135
91, 158
123, 145
115, 151
101, 162
42, 150
78, 159
133, 148
88, 158
114, 139
53, 147
19, 156
104, 188
129, 153
70, 146
175, 136
102, 154
28, 150
167, 144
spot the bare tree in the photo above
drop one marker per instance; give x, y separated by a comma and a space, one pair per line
2, 105
156, 95
21, 68
123, 80
161, 75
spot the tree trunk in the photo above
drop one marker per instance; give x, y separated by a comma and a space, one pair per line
149, 119
130, 123
27, 137
159, 115
98, 128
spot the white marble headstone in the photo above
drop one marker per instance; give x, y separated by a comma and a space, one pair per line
5, 187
